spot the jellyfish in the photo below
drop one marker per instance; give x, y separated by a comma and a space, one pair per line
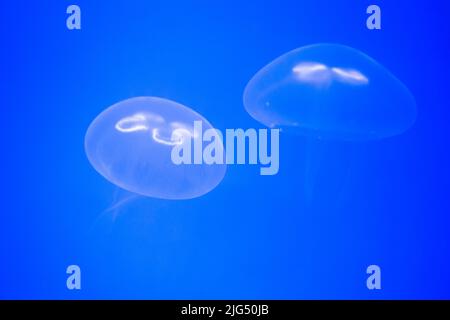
331, 95
330, 91
130, 144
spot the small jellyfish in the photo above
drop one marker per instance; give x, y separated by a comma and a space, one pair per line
330, 91
130, 144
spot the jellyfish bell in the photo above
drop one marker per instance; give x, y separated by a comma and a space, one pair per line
330, 91
130, 144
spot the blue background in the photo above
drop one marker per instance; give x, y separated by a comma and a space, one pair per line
308, 232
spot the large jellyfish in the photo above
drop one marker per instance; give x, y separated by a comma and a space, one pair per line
330, 94
330, 91
130, 144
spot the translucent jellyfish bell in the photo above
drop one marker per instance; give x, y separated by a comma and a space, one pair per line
331, 91
130, 144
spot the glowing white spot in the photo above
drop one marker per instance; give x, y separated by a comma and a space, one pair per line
318, 73
309, 67
311, 72
138, 122
131, 124
350, 75
177, 138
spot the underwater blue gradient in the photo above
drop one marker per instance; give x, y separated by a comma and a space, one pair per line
307, 233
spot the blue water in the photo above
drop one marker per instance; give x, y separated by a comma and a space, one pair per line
334, 208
